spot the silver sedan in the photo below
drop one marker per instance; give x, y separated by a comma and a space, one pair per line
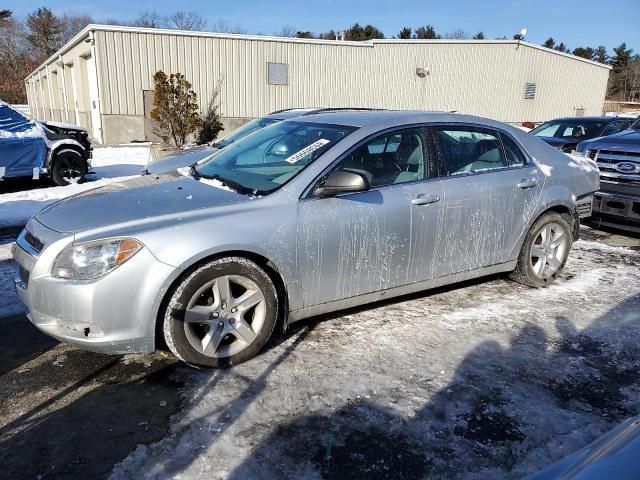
301, 218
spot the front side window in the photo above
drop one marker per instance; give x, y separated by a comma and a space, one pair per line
261, 163
393, 158
615, 127
468, 150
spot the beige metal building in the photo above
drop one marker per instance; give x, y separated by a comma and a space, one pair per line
103, 78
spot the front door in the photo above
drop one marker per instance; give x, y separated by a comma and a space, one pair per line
362, 242
490, 194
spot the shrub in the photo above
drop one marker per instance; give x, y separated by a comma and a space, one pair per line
211, 124
175, 108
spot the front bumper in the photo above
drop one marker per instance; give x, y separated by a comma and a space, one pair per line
113, 314
616, 210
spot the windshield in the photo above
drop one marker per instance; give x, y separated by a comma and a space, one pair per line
573, 128
261, 163
245, 130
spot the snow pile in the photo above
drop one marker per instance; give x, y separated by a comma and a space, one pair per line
110, 164
529, 376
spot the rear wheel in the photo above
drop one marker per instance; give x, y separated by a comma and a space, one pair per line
222, 314
544, 252
68, 167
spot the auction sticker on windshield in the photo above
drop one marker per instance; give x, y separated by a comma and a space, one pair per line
306, 151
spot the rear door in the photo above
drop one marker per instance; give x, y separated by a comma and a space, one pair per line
490, 191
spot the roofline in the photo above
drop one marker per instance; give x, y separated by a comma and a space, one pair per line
269, 38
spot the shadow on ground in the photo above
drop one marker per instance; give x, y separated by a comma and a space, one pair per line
67, 413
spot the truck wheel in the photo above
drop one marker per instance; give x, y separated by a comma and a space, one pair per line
544, 252
68, 167
221, 314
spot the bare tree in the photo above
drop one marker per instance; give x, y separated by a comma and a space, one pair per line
5, 15
73, 24
187, 21
458, 34
287, 31
148, 19
223, 26
16, 61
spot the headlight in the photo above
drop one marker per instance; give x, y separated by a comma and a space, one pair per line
91, 260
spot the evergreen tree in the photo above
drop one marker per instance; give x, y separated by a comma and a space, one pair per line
405, 33
621, 57
587, 52
561, 47
479, 36
175, 108
426, 33
600, 54
211, 124
44, 32
549, 43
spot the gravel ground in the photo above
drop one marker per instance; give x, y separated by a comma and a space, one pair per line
486, 379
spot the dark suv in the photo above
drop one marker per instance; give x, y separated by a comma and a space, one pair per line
565, 133
617, 204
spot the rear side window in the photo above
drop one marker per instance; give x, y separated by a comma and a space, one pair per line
512, 151
468, 150
615, 127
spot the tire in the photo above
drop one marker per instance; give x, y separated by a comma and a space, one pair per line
68, 167
208, 324
544, 252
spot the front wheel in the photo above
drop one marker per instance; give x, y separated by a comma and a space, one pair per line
544, 252
222, 314
68, 167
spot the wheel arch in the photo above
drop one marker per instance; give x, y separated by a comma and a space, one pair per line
59, 147
263, 262
558, 207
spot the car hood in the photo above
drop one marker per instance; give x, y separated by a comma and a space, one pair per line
627, 140
184, 158
136, 201
64, 126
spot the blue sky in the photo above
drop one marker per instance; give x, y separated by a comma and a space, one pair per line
576, 23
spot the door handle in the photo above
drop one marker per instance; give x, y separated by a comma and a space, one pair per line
524, 183
424, 199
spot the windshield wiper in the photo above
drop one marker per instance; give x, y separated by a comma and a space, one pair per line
238, 187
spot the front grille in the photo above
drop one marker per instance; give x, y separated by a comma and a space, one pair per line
611, 164
32, 240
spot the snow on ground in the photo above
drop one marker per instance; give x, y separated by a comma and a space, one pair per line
110, 164
489, 379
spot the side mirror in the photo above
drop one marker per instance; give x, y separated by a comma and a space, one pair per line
342, 181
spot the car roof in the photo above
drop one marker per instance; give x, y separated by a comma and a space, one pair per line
393, 118
297, 112
593, 118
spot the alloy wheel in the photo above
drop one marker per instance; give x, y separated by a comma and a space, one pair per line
224, 316
549, 250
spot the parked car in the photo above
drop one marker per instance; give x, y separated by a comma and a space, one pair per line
303, 217
614, 455
29, 148
190, 156
565, 133
617, 204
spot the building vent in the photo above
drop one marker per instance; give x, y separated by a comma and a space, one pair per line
278, 73
529, 91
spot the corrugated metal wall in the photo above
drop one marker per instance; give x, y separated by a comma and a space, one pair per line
480, 78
